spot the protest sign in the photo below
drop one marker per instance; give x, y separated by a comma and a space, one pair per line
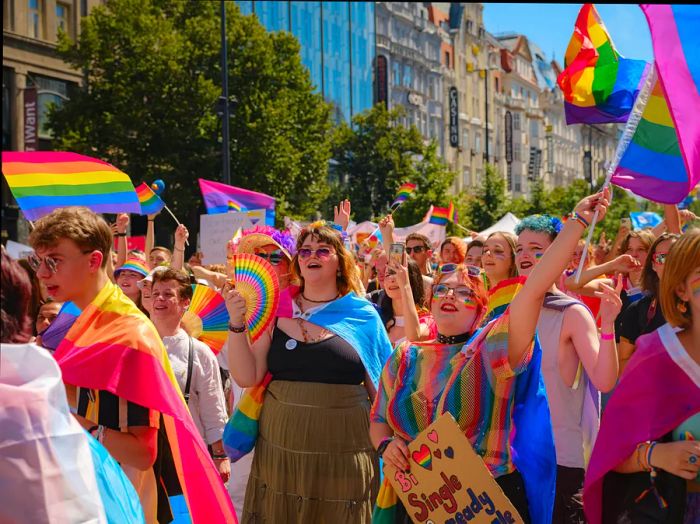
17, 250
447, 482
216, 230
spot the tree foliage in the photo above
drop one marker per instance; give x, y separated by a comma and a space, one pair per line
149, 104
374, 156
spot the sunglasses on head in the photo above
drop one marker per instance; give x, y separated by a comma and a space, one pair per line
322, 253
473, 271
274, 257
415, 249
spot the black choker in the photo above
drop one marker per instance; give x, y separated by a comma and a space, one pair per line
454, 339
319, 301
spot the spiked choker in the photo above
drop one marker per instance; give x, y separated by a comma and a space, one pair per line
454, 339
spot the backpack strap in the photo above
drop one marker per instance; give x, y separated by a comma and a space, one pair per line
190, 359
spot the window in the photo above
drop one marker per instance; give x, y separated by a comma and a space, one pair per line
516, 152
470, 26
397, 73
465, 138
465, 177
516, 121
62, 18
477, 143
34, 18
517, 185
447, 59
407, 75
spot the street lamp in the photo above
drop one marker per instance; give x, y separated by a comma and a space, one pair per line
225, 152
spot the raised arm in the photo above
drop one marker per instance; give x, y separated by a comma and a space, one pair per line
525, 308
621, 264
122, 224
386, 228
412, 327
150, 235
181, 235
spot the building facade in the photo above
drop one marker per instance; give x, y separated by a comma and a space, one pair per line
337, 46
410, 44
33, 78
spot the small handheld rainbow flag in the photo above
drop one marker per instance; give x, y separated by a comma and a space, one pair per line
150, 202
439, 216
234, 206
452, 213
598, 84
404, 192
42, 181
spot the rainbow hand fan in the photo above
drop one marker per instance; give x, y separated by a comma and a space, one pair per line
207, 318
257, 282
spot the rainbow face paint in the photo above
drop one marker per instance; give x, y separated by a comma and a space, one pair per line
538, 255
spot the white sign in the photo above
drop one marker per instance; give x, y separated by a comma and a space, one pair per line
216, 230
435, 233
17, 250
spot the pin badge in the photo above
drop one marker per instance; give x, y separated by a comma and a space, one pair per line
290, 344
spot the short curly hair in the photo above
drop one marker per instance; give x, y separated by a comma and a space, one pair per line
547, 224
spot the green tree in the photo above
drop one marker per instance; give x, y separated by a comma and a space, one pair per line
149, 103
489, 203
375, 155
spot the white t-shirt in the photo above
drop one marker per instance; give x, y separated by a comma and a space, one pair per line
207, 404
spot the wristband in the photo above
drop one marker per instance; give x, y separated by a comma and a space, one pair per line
219, 457
178, 248
236, 329
119, 234
607, 336
383, 445
578, 218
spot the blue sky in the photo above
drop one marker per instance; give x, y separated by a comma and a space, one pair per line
550, 26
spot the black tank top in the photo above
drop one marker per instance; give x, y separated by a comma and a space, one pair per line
330, 361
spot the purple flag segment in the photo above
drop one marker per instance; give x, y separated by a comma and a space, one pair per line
676, 42
217, 197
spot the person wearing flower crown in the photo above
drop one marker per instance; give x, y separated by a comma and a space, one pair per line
487, 379
313, 458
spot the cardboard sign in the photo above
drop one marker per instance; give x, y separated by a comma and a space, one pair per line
216, 230
448, 483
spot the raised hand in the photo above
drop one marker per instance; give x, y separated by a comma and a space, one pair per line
181, 236
598, 201
235, 304
626, 263
610, 302
341, 214
122, 222
386, 228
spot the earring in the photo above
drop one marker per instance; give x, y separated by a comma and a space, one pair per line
682, 307
338, 274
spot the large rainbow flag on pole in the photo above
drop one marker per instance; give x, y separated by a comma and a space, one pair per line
42, 181
112, 346
599, 85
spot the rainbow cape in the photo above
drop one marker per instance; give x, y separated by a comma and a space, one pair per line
217, 198
112, 346
150, 202
404, 192
439, 216
42, 181
598, 84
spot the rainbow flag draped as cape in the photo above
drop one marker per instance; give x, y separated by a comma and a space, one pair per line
404, 192
598, 84
217, 198
112, 346
150, 202
42, 181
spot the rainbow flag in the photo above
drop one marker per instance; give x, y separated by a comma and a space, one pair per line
439, 216
676, 42
42, 181
112, 346
404, 192
500, 297
598, 84
217, 197
150, 202
233, 206
652, 165
452, 213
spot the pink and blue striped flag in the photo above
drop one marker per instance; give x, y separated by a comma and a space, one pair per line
662, 162
217, 197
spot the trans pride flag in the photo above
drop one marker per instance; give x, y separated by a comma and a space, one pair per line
112, 346
217, 198
599, 85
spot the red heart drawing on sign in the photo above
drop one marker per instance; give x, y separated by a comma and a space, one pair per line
433, 436
423, 457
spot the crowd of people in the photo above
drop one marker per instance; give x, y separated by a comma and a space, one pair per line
581, 393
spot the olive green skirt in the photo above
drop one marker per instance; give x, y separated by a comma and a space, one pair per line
314, 462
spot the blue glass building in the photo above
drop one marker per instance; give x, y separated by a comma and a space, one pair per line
337, 46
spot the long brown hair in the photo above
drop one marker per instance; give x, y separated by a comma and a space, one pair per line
650, 280
511, 240
348, 278
683, 258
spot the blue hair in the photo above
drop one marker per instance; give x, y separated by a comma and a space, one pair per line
540, 224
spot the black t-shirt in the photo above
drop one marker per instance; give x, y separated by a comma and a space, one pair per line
330, 361
639, 318
108, 410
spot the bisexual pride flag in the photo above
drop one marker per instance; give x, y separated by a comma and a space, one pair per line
218, 198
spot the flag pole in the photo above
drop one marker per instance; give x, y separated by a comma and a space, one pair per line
628, 133
391, 213
175, 219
